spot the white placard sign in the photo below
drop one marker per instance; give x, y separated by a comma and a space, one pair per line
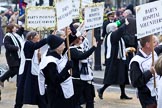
76, 8
64, 13
38, 17
94, 16
149, 18
86, 2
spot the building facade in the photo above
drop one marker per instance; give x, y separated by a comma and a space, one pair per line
122, 3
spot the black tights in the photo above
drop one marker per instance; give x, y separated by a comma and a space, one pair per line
122, 88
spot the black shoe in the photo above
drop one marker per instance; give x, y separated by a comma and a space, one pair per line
100, 94
125, 97
104, 64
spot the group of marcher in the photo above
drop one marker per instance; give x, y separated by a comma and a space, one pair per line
55, 78
45, 79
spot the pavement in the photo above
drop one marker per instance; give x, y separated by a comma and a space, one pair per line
111, 95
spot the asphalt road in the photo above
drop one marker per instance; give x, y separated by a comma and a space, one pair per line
111, 98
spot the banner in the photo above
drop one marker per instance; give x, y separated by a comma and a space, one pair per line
94, 16
40, 17
149, 19
64, 13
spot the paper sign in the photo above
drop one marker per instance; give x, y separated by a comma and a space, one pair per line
64, 13
94, 16
40, 17
149, 19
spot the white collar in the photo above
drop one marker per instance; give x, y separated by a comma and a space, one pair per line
144, 54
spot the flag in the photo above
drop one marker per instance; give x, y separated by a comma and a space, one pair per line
22, 6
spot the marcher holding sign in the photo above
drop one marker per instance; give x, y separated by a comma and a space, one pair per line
82, 81
142, 72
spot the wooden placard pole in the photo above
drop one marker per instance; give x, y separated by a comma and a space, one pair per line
54, 5
92, 36
68, 49
67, 40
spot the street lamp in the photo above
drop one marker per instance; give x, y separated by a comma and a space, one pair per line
97, 53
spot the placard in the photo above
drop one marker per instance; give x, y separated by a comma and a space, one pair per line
64, 13
94, 16
40, 18
149, 19
86, 2
75, 8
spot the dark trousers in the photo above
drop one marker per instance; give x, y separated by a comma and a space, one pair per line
41, 100
10, 73
146, 100
85, 90
105, 44
41, 104
89, 94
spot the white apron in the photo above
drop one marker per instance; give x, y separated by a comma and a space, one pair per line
67, 85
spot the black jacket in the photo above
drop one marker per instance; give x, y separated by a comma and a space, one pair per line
11, 52
77, 55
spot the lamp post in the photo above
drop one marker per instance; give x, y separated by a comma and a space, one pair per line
97, 53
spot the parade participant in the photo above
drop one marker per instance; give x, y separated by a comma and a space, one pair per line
110, 19
116, 71
86, 73
13, 43
130, 30
158, 68
4, 22
55, 68
14, 18
28, 90
61, 34
141, 73
131, 8
80, 84
155, 41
